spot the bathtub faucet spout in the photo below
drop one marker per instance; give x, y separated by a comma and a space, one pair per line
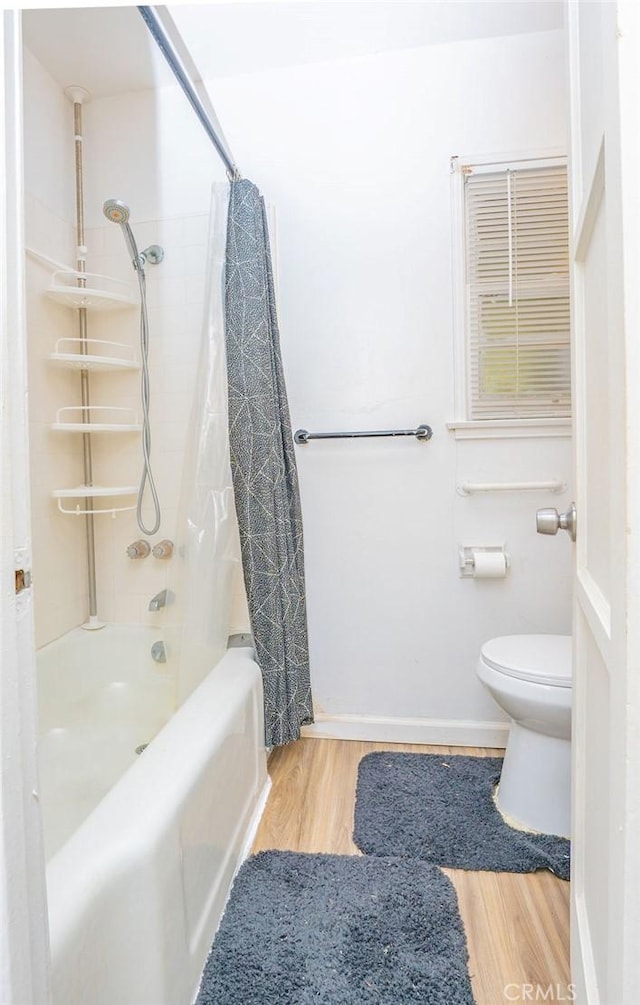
158, 601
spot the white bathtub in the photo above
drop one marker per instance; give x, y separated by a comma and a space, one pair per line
136, 890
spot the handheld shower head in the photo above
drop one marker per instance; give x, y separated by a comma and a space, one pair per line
118, 212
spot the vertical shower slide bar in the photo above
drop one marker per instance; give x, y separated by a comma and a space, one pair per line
78, 95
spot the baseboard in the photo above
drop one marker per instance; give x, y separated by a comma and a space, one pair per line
387, 729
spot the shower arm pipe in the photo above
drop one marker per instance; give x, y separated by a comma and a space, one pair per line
181, 74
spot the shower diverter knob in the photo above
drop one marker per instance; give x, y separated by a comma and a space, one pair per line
163, 549
549, 521
139, 549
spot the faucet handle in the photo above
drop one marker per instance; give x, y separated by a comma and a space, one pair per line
139, 549
163, 549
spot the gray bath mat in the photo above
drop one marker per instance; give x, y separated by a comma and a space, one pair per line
427, 806
338, 930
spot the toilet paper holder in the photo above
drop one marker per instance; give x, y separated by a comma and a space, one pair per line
467, 561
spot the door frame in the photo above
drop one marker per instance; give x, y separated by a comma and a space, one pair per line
24, 974
613, 621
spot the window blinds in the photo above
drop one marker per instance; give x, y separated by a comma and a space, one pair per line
517, 280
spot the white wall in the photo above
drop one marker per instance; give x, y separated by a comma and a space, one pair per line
355, 155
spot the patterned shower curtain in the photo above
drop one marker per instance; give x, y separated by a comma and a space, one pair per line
263, 466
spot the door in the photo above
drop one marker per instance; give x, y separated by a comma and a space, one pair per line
23, 924
604, 55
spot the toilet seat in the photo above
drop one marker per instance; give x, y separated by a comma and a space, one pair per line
540, 659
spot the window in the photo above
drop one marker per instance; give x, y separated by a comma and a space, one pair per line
514, 270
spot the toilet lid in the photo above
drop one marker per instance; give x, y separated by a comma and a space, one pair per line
543, 659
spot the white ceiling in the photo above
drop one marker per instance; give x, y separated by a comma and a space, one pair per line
108, 49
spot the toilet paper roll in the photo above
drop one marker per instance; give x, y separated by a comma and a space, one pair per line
489, 564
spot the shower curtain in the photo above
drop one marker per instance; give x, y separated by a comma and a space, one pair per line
206, 557
264, 471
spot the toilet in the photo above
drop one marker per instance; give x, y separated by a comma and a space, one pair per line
529, 676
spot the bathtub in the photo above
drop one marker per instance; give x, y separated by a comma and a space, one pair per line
143, 846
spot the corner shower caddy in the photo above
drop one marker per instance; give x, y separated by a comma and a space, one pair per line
88, 292
97, 292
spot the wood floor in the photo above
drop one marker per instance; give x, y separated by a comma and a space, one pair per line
517, 925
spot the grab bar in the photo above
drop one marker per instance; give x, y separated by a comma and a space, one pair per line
423, 432
469, 488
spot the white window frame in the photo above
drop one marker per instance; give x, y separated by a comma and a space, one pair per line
462, 426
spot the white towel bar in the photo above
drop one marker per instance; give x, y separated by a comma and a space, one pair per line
469, 488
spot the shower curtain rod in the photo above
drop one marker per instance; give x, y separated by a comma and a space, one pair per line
179, 71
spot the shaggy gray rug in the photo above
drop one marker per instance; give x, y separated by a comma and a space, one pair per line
338, 930
428, 806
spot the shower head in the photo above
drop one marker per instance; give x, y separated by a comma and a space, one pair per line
116, 211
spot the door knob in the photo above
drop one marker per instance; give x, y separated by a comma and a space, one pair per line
549, 521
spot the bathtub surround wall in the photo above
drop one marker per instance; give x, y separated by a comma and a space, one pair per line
263, 465
175, 323
59, 549
176, 296
148, 150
